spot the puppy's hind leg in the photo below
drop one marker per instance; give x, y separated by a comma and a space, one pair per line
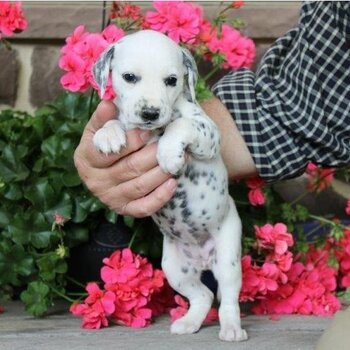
227, 270
185, 279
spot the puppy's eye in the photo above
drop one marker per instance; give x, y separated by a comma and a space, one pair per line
170, 81
130, 78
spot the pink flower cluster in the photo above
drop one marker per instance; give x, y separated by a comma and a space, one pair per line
256, 195
184, 23
237, 50
259, 280
342, 254
277, 281
181, 21
319, 178
287, 284
130, 284
12, 19
309, 289
78, 56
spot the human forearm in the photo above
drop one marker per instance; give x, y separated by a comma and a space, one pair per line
234, 150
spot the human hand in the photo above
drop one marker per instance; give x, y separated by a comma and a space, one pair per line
130, 182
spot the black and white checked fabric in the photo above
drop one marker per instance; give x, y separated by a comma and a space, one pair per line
296, 107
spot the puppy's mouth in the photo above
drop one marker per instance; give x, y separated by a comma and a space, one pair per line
148, 125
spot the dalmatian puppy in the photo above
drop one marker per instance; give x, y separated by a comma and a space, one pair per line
154, 79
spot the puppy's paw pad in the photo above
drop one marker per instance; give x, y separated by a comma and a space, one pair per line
184, 326
110, 138
231, 334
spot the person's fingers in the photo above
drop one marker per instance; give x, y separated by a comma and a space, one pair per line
151, 203
87, 152
135, 164
117, 196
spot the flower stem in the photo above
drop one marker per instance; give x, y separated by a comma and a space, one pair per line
91, 102
327, 221
211, 73
75, 281
56, 291
136, 232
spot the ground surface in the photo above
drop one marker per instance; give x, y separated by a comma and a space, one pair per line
60, 331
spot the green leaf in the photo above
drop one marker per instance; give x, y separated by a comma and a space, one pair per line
333, 261
344, 296
14, 263
62, 206
129, 221
41, 194
18, 229
71, 179
288, 213
50, 265
301, 212
111, 216
337, 232
4, 218
36, 298
41, 239
13, 192
38, 165
80, 214
11, 166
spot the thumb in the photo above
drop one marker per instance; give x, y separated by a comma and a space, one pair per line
105, 111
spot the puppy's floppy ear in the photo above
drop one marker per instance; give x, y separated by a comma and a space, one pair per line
102, 67
191, 73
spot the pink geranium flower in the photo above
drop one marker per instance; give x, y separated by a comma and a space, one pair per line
96, 307
80, 53
12, 19
256, 195
274, 236
309, 291
179, 20
239, 51
130, 283
318, 178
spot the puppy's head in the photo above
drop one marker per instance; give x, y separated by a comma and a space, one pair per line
149, 72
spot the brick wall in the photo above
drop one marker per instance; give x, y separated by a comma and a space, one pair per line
29, 74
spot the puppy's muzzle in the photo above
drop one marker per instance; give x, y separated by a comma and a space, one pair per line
150, 114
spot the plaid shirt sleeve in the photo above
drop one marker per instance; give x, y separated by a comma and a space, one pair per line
296, 107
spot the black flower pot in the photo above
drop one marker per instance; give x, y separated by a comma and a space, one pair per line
85, 260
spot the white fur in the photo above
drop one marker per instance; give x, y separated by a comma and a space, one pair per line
201, 226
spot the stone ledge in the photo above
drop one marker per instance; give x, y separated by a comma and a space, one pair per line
57, 20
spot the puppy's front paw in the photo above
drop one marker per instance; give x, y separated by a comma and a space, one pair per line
110, 138
184, 325
170, 156
233, 334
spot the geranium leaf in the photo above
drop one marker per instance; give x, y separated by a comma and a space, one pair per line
36, 298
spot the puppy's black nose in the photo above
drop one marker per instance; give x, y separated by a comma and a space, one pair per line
150, 114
